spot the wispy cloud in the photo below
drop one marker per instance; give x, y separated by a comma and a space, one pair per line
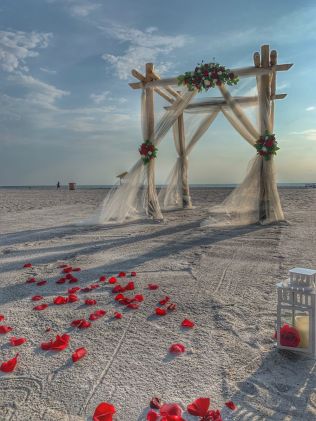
98, 98
16, 47
309, 134
143, 46
312, 108
49, 71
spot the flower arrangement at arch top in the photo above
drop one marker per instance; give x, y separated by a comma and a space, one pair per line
267, 146
148, 151
206, 76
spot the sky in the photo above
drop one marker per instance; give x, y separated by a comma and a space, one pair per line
67, 112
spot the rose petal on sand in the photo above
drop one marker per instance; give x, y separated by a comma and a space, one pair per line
118, 315
17, 341
199, 407
121, 274
90, 302
72, 298
61, 281
31, 281
102, 278
9, 366
60, 300
5, 329
40, 283
164, 300
152, 415
1, 317
73, 290
40, 307
112, 280
152, 287
231, 405
80, 324
133, 274
59, 344
104, 412
37, 297
155, 403
187, 323
78, 354
160, 311
27, 265
177, 349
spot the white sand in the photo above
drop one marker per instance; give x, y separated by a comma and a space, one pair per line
223, 280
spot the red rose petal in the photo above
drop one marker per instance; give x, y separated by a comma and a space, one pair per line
67, 269
139, 298
27, 265
73, 290
187, 323
60, 343
121, 274
112, 280
37, 297
104, 412
100, 313
155, 403
69, 276
46, 345
86, 289
130, 286
31, 281
172, 410
133, 306
93, 317
72, 298
73, 280
60, 300
119, 297
117, 289
94, 286
40, 283
40, 307
1, 317
90, 302
177, 348
231, 405
102, 278
118, 315
5, 329
9, 366
80, 324
160, 311
152, 416
153, 286
172, 307
61, 281
78, 354
17, 341
133, 273
199, 407
76, 270
164, 301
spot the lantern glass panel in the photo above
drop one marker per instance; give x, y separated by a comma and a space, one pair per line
294, 328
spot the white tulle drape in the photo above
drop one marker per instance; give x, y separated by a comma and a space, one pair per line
171, 196
130, 200
256, 199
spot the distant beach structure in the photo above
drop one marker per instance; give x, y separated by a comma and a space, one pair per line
58, 185
121, 176
72, 185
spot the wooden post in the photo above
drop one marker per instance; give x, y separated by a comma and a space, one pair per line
186, 199
152, 192
264, 116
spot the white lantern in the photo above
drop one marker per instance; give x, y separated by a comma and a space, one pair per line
296, 321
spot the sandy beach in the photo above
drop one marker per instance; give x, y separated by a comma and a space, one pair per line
222, 279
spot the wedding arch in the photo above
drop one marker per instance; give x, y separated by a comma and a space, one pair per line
256, 199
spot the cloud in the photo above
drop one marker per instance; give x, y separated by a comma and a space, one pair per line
312, 108
143, 46
98, 98
309, 134
83, 9
49, 71
16, 47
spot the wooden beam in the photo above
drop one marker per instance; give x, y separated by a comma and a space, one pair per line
167, 88
138, 75
220, 101
256, 59
164, 95
186, 200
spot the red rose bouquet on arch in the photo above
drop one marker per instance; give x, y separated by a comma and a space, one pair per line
148, 151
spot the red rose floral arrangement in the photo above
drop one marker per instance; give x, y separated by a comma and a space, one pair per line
148, 151
267, 146
206, 76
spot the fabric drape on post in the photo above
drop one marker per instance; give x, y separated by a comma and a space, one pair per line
170, 197
242, 206
130, 200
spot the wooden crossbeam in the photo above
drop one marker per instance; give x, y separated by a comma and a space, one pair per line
220, 101
241, 72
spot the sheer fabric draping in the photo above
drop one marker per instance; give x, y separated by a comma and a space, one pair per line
256, 198
171, 196
129, 200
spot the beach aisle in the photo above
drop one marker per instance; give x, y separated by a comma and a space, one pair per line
222, 280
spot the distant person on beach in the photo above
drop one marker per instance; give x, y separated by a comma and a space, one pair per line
58, 185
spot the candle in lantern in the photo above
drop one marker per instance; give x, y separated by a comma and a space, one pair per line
302, 325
